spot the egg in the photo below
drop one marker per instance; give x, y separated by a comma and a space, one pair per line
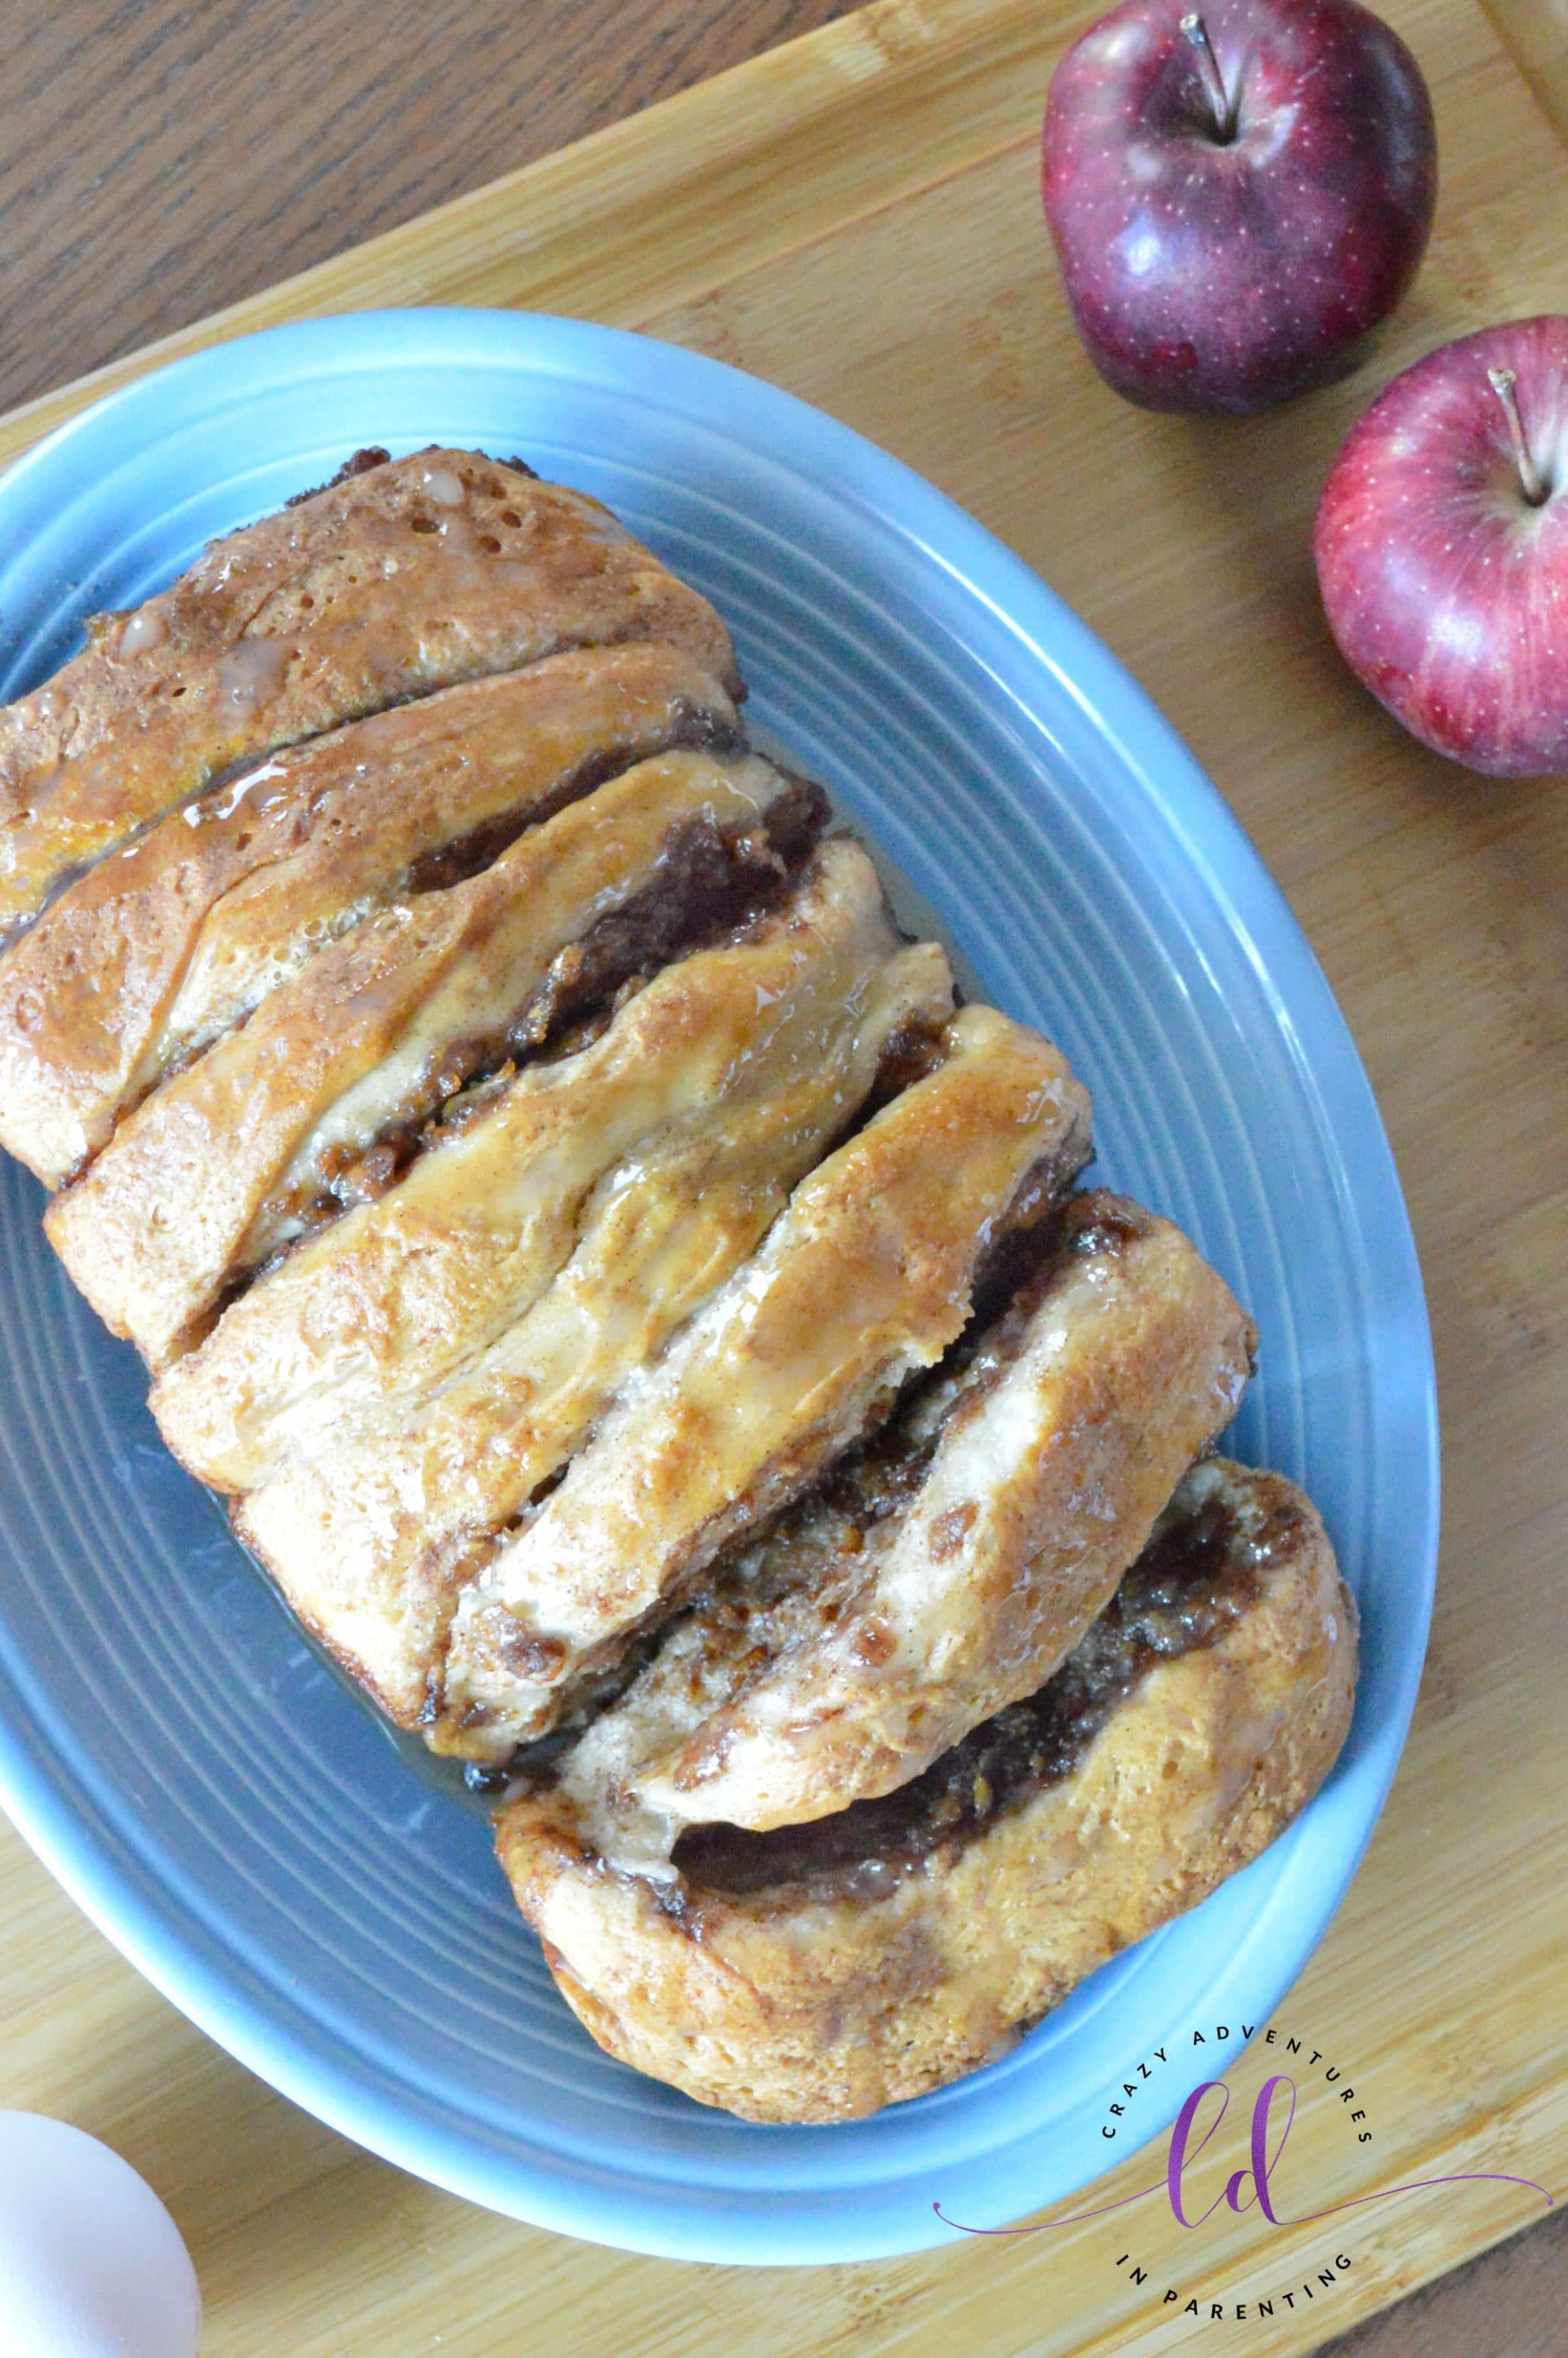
91, 2263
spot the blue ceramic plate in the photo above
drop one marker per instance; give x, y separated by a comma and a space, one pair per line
227, 1812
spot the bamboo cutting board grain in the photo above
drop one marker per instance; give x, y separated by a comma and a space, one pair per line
856, 217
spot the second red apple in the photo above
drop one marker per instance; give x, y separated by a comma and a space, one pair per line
1442, 547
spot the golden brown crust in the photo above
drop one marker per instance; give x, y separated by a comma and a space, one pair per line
375, 1536
785, 2006
155, 953
1128, 1355
392, 1298
867, 1278
204, 1179
405, 577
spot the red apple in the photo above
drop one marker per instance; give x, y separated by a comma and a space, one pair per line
1442, 547
1236, 198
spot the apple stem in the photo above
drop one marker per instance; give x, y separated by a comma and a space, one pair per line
1532, 480
1197, 32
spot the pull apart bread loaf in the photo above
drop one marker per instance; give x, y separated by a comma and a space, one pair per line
646, 1330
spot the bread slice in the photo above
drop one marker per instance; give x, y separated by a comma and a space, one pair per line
153, 954
403, 575
379, 1307
948, 1566
818, 1971
232, 1158
866, 1280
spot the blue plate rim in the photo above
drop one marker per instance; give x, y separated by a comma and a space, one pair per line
142, 1924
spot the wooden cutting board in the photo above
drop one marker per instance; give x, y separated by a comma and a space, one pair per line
856, 218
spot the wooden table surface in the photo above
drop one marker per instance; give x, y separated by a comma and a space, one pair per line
156, 163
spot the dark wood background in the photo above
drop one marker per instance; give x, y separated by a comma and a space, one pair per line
158, 160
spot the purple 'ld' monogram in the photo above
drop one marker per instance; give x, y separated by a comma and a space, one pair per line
1244, 2187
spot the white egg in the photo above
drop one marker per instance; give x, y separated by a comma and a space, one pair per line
92, 2266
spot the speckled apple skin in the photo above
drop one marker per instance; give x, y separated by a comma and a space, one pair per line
1446, 590
1226, 278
